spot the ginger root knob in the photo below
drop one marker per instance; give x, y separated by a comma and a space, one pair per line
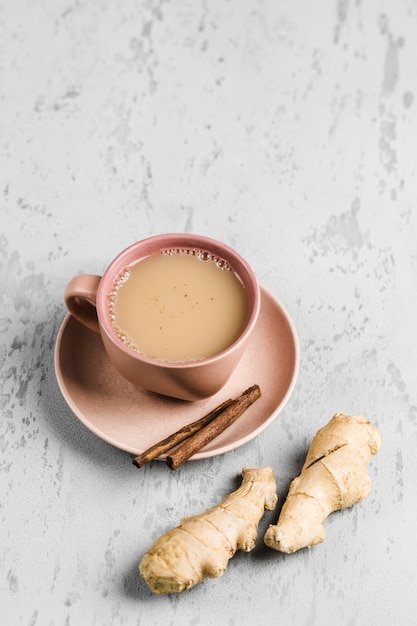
333, 477
201, 546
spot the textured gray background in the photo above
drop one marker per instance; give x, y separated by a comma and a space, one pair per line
288, 130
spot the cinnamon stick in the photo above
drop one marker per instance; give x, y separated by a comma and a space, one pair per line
214, 428
179, 436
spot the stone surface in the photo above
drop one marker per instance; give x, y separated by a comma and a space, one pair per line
287, 130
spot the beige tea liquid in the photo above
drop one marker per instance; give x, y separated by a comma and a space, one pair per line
179, 305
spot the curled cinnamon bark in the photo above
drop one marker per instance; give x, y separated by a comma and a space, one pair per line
206, 434
179, 436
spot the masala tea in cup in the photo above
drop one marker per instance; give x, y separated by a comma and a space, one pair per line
179, 305
174, 312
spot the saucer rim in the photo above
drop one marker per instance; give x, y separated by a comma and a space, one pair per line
202, 454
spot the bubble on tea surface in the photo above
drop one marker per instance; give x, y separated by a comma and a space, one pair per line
204, 255
111, 300
122, 278
222, 264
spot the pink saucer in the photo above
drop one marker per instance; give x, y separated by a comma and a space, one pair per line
133, 420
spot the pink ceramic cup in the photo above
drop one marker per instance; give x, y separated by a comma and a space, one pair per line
87, 299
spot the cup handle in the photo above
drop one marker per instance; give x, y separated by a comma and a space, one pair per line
80, 299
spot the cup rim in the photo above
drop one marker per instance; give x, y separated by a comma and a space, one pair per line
177, 240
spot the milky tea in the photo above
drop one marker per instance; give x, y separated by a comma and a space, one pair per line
178, 305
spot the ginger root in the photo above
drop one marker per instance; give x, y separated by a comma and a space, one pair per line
203, 544
333, 477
